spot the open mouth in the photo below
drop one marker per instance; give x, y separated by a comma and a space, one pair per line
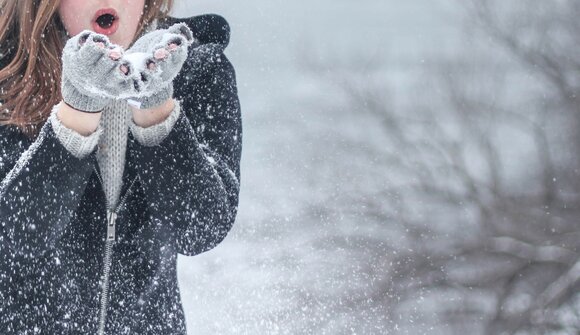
106, 21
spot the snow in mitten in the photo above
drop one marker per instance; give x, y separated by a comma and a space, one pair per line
158, 57
93, 72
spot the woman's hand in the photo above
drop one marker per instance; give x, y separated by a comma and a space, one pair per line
157, 57
93, 72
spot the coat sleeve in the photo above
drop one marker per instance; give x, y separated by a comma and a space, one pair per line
192, 178
40, 189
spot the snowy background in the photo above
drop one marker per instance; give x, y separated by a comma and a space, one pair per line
387, 175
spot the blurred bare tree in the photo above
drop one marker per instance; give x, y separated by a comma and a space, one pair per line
520, 250
482, 174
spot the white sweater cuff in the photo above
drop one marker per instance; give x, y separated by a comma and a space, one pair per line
153, 135
78, 145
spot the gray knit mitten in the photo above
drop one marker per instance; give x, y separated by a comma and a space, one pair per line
158, 57
92, 74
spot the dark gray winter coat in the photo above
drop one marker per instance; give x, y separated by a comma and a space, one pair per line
182, 198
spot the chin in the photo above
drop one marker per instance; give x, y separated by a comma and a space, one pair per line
118, 41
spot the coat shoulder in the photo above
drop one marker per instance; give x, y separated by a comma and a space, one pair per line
206, 28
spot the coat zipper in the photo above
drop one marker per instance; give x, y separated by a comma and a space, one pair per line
108, 257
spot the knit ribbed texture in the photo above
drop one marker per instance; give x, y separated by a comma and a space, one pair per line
81, 101
111, 136
153, 135
80, 146
156, 99
112, 147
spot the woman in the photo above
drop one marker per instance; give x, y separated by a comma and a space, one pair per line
96, 202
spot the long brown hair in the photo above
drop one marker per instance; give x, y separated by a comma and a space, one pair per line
31, 43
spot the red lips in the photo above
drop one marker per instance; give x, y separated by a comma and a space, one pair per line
105, 21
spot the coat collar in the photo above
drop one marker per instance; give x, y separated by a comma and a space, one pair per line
206, 28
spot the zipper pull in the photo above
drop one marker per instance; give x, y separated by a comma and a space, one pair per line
111, 225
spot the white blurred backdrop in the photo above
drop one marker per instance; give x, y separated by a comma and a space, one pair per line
386, 170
